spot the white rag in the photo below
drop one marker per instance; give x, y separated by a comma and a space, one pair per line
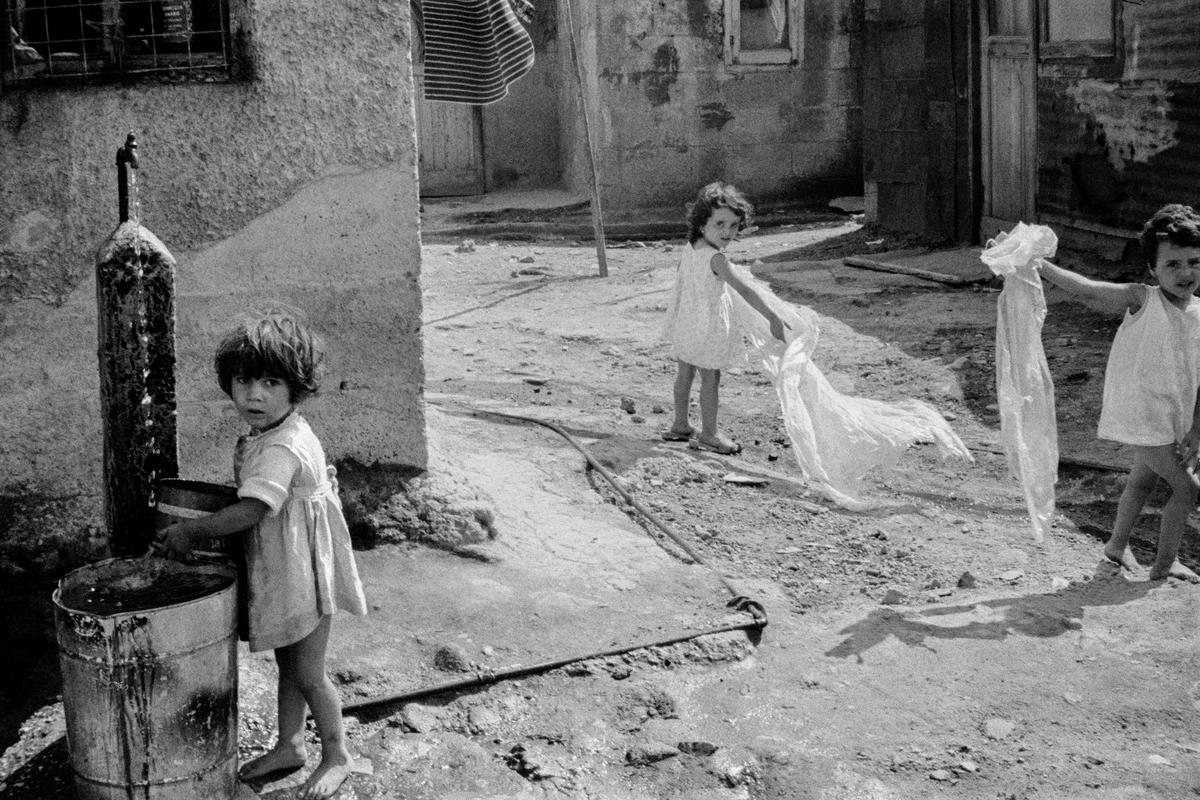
1025, 390
836, 438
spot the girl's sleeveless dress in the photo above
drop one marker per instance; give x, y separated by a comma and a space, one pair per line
700, 325
300, 562
1152, 374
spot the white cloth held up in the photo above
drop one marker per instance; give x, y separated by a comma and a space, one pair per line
1028, 431
836, 438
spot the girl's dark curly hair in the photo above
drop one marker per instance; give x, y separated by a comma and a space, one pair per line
1175, 222
277, 342
713, 196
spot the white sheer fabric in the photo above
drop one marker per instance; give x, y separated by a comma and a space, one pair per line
1028, 431
837, 439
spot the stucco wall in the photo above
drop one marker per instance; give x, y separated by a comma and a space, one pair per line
673, 116
299, 186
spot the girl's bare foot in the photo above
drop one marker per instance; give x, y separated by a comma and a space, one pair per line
1176, 570
327, 778
277, 759
1124, 559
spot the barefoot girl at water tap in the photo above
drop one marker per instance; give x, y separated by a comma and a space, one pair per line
701, 325
1151, 400
300, 564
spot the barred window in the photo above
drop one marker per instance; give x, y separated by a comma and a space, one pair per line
69, 41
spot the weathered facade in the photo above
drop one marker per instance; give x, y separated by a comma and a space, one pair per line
1079, 114
681, 103
1118, 122
294, 182
678, 100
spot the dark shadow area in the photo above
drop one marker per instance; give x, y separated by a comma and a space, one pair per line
29, 676
1039, 615
45, 776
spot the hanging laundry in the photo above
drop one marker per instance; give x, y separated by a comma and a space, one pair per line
836, 438
1028, 430
473, 49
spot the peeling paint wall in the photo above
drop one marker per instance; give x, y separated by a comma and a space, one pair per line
673, 115
1119, 138
916, 117
297, 187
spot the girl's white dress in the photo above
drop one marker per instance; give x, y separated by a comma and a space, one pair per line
1153, 373
300, 562
700, 325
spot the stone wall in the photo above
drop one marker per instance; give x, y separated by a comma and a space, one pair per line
917, 151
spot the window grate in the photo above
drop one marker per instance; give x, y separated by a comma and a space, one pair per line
69, 40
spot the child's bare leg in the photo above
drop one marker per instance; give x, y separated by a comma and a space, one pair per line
288, 752
1142, 480
322, 698
683, 396
1165, 462
710, 385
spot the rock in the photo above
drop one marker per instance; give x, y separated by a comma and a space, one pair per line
645, 753
488, 651
966, 581
628, 406
466, 246
1159, 761
968, 766
612, 350
1012, 575
482, 720
451, 658
440, 509
997, 728
418, 718
940, 775
526, 260
657, 409
637, 419
892, 598
697, 748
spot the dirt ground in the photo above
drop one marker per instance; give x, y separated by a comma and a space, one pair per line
927, 648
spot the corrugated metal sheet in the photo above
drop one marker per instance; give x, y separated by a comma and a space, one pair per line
1113, 150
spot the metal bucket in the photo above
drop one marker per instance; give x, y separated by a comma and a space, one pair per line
150, 694
178, 499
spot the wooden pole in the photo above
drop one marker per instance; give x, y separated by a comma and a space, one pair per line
587, 101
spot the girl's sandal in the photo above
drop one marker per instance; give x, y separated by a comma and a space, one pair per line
672, 435
731, 450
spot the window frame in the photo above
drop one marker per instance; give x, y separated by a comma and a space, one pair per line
735, 56
1084, 50
222, 64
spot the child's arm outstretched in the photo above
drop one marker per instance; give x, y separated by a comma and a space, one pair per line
175, 541
1115, 297
720, 266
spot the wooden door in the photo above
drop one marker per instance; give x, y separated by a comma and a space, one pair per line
1008, 115
449, 146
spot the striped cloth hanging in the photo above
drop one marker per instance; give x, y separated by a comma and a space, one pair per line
473, 49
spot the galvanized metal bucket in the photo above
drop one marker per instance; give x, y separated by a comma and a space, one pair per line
178, 499
150, 694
